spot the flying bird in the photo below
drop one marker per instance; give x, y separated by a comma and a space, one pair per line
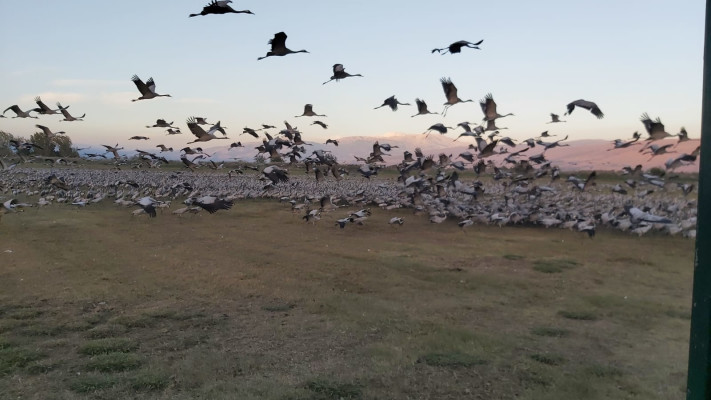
18, 112
450, 92
439, 127
456, 47
391, 102
148, 89
161, 123
655, 128
488, 107
323, 125
43, 108
279, 47
68, 117
276, 174
422, 108
340, 73
200, 134
554, 118
588, 105
220, 7
309, 112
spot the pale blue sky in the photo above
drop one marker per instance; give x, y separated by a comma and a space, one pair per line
628, 56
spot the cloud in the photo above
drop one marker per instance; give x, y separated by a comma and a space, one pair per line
88, 82
51, 98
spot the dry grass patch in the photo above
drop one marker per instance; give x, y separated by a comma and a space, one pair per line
109, 345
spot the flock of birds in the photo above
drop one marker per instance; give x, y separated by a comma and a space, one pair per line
523, 189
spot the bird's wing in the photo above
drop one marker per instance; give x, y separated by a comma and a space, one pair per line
279, 41
139, 84
195, 128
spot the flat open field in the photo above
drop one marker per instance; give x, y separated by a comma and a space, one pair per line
253, 303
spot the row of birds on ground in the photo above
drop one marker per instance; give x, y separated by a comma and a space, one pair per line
513, 198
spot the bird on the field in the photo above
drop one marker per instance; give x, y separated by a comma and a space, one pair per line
456, 47
588, 105
147, 89
396, 221
488, 107
323, 125
391, 102
339, 72
220, 7
278, 43
212, 204
18, 112
450, 92
43, 108
148, 205
422, 108
554, 118
309, 112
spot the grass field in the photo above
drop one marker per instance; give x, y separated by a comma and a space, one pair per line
253, 303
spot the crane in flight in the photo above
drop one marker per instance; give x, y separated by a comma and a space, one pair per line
457, 46
278, 43
147, 89
220, 7
339, 72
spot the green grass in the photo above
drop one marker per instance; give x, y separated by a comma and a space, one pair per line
108, 345
548, 359
550, 331
554, 265
14, 358
452, 359
250, 319
92, 383
578, 315
326, 389
113, 362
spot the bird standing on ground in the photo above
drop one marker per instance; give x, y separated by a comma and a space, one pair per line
147, 89
391, 102
588, 105
279, 48
339, 72
456, 47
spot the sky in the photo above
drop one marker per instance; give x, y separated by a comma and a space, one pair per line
630, 57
